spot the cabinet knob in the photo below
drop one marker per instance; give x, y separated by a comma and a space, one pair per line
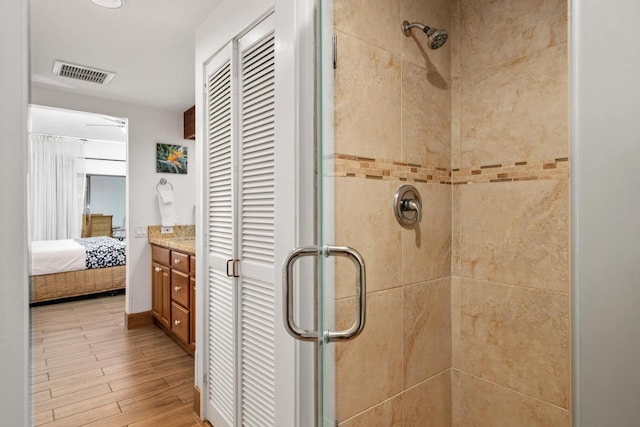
176, 322
158, 269
177, 288
177, 261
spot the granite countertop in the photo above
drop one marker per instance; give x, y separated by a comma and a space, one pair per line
182, 238
184, 244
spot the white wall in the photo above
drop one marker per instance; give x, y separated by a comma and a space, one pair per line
108, 197
606, 204
13, 242
147, 126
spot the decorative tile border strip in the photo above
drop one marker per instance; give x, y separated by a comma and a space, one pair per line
509, 172
364, 167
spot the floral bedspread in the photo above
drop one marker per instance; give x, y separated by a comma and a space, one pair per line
103, 251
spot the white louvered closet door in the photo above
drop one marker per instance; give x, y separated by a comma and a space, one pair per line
221, 316
242, 349
256, 223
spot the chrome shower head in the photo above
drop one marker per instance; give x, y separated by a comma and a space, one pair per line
435, 36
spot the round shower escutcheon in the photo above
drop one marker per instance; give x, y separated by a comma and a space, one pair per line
407, 205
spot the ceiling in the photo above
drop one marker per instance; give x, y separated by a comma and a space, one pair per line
149, 44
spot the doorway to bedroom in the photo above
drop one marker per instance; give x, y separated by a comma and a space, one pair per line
87, 366
77, 204
145, 49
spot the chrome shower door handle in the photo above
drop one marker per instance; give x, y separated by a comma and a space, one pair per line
361, 293
287, 278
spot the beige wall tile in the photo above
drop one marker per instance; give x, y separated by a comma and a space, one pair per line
516, 233
369, 368
489, 405
518, 338
495, 31
429, 403
506, 103
426, 112
386, 414
517, 111
427, 330
456, 399
454, 38
367, 100
365, 221
456, 248
456, 108
427, 248
434, 13
456, 306
374, 21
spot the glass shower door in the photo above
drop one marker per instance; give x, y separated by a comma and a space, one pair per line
324, 334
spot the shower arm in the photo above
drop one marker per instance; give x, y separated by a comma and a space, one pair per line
407, 27
436, 37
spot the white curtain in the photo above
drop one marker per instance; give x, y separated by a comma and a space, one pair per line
56, 187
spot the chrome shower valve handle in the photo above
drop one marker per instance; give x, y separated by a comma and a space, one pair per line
407, 205
412, 206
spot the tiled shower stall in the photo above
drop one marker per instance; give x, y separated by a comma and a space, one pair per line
468, 313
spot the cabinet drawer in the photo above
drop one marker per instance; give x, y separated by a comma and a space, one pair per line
180, 288
160, 255
192, 265
180, 322
180, 261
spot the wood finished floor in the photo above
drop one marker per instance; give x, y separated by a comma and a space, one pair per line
89, 371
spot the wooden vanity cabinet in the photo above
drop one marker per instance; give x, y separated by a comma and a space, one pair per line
161, 285
180, 322
180, 288
161, 288
192, 297
180, 261
173, 294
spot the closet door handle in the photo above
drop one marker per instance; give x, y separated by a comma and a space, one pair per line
235, 267
232, 268
287, 277
229, 272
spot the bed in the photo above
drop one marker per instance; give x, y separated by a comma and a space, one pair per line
71, 268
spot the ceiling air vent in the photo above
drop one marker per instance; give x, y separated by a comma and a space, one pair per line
80, 72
